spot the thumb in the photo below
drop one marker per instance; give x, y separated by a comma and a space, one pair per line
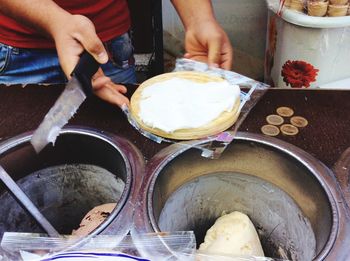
92, 43
95, 47
214, 52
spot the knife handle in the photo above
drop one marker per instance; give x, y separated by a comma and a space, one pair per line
85, 69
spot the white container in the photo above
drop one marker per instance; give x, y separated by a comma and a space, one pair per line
304, 51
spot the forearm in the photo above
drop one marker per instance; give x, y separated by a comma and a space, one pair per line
194, 11
44, 15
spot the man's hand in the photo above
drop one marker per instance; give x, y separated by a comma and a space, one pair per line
71, 38
207, 42
109, 91
72, 34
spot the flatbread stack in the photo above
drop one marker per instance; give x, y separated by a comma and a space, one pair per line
185, 105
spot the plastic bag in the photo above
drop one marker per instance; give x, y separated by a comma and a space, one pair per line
150, 246
163, 246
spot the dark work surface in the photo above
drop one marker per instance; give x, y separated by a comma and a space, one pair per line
23, 109
326, 136
327, 111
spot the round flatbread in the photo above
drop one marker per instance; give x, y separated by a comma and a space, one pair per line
222, 122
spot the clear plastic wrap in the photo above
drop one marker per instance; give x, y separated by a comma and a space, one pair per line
251, 92
150, 246
142, 247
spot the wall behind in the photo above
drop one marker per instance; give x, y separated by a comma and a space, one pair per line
245, 23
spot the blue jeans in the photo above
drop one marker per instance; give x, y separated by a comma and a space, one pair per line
35, 66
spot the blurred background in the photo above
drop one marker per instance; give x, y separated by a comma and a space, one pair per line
158, 35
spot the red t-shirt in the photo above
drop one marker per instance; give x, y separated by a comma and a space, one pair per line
110, 17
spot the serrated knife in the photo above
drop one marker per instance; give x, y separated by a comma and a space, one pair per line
74, 94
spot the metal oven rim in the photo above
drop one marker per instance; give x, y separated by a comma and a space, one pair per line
121, 217
339, 235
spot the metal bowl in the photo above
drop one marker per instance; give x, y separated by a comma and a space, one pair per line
292, 199
84, 168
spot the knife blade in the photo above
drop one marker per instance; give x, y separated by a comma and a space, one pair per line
74, 94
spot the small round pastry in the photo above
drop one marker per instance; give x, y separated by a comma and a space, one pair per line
185, 105
289, 129
274, 119
285, 111
270, 130
299, 121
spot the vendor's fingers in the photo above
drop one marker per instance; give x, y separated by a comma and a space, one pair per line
227, 57
214, 50
100, 82
98, 74
227, 64
200, 57
188, 55
69, 54
99, 79
112, 95
107, 90
118, 87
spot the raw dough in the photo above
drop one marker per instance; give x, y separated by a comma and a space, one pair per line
232, 234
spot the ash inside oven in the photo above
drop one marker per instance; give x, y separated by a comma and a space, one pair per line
63, 194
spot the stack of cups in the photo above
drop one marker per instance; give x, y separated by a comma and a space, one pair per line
338, 8
317, 7
298, 5
329, 8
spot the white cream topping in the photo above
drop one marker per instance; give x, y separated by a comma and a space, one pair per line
179, 103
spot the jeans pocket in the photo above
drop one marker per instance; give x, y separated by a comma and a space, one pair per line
4, 57
121, 51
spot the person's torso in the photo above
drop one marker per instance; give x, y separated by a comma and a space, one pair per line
110, 17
